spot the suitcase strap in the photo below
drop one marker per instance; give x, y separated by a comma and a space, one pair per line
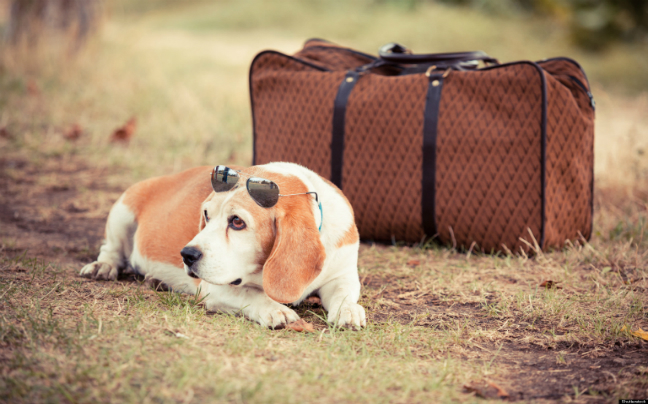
339, 114
430, 124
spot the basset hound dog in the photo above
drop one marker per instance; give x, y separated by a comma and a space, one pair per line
245, 239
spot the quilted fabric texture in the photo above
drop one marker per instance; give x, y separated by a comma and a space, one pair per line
570, 156
383, 155
489, 157
293, 112
332, 57
514, 145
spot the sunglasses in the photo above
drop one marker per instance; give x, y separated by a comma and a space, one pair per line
264, 192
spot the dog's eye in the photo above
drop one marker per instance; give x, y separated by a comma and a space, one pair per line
236, 223
206, 216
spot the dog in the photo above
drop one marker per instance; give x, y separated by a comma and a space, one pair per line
214, 231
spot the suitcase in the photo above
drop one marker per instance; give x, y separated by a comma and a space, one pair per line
491, 158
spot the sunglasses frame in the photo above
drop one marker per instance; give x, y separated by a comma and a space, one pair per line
227, 171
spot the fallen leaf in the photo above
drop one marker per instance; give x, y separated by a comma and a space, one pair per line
300, 326
550, 285
638, 333
32, 88
175, 334
124, 133
4, 133
413, 263
73, 133
501, 393
488, 390
313, 300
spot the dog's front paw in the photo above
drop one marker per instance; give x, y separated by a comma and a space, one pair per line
100, 271
349, 316
274, 315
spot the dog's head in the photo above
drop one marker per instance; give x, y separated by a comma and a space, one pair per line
241, 243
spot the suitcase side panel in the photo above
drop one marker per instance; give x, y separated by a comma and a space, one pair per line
490, 158
570, 161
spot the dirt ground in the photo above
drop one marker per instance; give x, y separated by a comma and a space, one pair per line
55, 209
532, 369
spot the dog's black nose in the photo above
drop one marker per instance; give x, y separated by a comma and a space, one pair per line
190, 255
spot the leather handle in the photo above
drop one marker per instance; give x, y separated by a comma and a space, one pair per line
395, 53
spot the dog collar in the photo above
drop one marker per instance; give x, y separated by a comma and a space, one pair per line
321, 216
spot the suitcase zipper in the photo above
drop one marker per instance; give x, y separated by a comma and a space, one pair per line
572, 61
582, 86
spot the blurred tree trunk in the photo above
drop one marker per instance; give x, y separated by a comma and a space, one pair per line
31, 20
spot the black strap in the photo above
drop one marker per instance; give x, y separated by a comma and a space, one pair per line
339, 112
430, 124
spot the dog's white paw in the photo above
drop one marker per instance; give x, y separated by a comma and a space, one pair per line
274, 315
100, 271
349, 316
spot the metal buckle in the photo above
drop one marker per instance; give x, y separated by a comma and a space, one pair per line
394, 48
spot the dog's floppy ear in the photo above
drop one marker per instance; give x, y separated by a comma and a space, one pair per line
298, 254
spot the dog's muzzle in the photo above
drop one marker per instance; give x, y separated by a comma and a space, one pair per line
191, 255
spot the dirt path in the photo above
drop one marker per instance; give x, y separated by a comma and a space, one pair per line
54, 209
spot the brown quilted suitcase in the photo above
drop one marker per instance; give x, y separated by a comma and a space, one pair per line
488, 158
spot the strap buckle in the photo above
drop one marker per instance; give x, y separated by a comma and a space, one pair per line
393, 47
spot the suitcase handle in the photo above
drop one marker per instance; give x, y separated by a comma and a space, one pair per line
395, 53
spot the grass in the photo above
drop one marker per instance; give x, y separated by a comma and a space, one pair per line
129, 339
439, 320
434, 327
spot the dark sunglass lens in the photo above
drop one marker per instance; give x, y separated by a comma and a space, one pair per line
224, 178
264, 192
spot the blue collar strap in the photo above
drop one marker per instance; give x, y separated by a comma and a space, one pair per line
321, 216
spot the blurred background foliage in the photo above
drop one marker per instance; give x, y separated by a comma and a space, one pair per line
593, 24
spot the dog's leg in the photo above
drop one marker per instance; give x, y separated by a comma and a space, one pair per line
340, 299
117, 247
253, 303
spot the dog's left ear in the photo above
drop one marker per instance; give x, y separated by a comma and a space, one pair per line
298, 253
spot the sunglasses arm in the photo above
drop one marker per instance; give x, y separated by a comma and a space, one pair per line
305, 193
